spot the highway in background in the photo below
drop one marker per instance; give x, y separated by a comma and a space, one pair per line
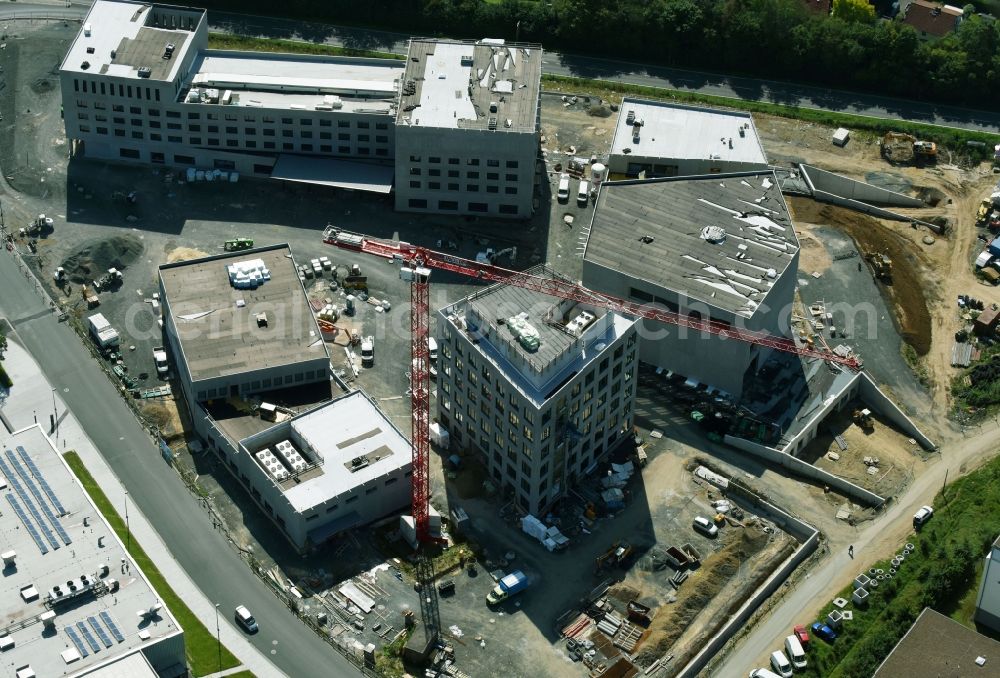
556, 63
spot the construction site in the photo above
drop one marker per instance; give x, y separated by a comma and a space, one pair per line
624, 578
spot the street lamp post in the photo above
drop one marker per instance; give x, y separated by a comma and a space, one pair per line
128, 531
55, 413
218, 639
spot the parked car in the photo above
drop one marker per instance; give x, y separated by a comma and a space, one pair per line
781, 665
763, 673
796, 655
246, 620
705, 526
922, 516
802, 634
823, 631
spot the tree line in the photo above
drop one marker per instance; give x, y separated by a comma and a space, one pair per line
779, 39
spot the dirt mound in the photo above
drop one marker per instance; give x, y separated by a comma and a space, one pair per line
702, 586
96, 257
931, 196
906, 292
185, 254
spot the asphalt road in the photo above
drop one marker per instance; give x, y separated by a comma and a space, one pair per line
555, 63
157, 490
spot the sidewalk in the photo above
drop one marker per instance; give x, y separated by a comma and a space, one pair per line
32, 400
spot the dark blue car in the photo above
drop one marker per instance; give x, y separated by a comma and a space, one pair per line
824, 632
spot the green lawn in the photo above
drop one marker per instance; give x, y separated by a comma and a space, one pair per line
240, 42
953, 138
200, 644
942, 573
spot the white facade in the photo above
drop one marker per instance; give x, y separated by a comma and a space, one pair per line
128, 96
538, 419
356, 468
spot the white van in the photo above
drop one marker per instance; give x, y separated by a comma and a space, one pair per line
793, 648
563, 193
583, 195
245, 619
780, 663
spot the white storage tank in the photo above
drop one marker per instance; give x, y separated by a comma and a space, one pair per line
598, 173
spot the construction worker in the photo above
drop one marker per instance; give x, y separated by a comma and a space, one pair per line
850, 550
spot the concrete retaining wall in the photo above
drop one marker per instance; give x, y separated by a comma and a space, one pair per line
790, 524
865, 208
835, 184
807, 470
878, 401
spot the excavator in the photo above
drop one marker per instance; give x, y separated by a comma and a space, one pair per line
881, 265
614, 556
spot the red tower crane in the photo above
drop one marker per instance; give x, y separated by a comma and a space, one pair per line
417, 263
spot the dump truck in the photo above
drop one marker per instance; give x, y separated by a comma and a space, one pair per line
983, 214
881, 265
925, 151
508, 586
160, 358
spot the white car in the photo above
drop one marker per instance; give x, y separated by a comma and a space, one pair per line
705, 526
922, 516
763, 673
780, 663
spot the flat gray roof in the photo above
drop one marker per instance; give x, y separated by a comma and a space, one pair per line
672, 130
451, 83
293, 81
655, 230
560, 353
335, 172
35, 573
941, 647
137, 33
220, 337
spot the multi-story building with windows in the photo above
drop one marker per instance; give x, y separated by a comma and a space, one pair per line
140, 85
541, 388
467, 128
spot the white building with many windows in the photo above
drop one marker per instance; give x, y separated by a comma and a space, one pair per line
140, 85
541, 388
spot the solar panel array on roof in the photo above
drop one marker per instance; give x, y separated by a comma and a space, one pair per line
88, 636
30, 463
30, 505
75, 637
99, 630
38, 497
112, 626
27, 524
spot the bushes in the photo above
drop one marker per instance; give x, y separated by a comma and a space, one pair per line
939, 572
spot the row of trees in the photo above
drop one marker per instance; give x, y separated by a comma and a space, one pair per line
779, 39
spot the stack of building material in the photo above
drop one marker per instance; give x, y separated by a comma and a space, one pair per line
610, 624
249, 274
524, 331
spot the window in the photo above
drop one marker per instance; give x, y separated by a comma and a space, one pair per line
232, 143
508, 209
512, 164
381, 139
363, 125
155, 124
493, 176
343, 123
102, 130
195, 141
434, 160
137, 135
382, 151
414, 184
362, 137
194, 128
415, 171
325, 135
480, 207
307, 147
472, 175
370, 490
287, 133
154, 112
325, 123
268, 132
82, 116
86, 128
492, 189
128, 153
135, 110
473, 162
452, 174
288, 147
156, 157
213, 142
511, 177
212, 116
307, 135
155, 137
452, 187
119, 132
194, 116
434, 172
118, 120
170, 114
419, 203
269, 145
249, 118
175, 140
447, 205
492, 163
381, 125
117, 108
452, 161
305, 121
326, 148
232, 130
434, 185
343, 137
343, 149
472, 188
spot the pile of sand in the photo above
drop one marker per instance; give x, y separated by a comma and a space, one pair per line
184, 254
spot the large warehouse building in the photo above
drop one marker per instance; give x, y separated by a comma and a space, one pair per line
74, 603
140, 85
717, 247
255, 374
663, 139
543, 388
